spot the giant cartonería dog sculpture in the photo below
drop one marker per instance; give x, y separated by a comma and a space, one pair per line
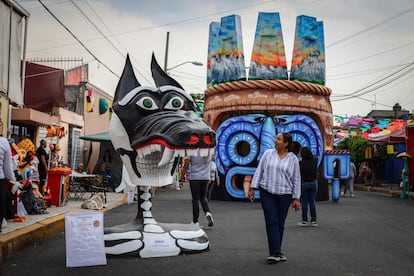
151, 127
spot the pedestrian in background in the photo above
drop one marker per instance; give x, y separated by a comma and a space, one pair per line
350, 181
214, 178
42, 167
199, 178
309, 187
106, 170
296, 148
6, 173
278, 179
364, 172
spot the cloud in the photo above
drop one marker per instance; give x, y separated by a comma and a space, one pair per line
140, 28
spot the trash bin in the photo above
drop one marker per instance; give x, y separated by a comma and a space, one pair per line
57, 183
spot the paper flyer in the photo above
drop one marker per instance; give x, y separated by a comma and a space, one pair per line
84, 238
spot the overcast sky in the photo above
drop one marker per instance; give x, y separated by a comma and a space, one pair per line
369, 43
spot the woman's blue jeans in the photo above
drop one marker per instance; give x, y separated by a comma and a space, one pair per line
308, 198
275, 209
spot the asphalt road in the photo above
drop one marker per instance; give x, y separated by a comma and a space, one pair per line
371, 234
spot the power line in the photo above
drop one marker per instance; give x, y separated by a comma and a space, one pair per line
363, 72
117, 40
361, 91
96, 28
370, 28
80, 42
196, 18
373, 55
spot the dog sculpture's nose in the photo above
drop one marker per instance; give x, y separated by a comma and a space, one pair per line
194, 139
204, 139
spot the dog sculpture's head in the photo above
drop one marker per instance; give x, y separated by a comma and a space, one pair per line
152, 126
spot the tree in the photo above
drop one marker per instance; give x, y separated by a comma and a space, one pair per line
356, 145
199, 96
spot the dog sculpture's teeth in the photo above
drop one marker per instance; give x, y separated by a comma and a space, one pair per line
155, 147
140, 153
205, 152
192, 152
167, 155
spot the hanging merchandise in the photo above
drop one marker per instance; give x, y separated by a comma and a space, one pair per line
55, 131
27, 145
390, 149
103, 106
368, 152
89, 100
110, 110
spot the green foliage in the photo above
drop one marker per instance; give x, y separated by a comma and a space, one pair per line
356, 145
380, 153
199, 96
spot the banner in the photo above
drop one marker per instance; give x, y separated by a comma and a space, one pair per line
4, 111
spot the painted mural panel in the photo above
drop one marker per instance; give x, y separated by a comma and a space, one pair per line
228, 63
268, 56
213, 39
242, 140
308, 61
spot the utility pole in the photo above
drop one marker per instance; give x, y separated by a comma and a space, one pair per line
166, 52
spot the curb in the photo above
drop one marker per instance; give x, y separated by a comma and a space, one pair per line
374, 189
19, 239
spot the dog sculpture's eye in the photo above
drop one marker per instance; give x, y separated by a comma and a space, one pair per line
175, 103
147, 103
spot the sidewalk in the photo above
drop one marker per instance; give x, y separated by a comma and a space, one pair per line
389, 189
17, 235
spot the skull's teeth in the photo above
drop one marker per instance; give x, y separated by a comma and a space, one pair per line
169, 154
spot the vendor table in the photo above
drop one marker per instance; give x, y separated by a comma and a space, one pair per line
80, 184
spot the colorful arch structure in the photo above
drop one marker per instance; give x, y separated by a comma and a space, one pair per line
247, 114
337, 165
242, 140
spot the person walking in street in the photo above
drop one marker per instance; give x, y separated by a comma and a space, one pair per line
309, 187
42, 167
199, 178
278, 179
214, 178
6, 173
365, 172
350, 181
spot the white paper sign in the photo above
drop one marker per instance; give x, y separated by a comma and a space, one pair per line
84, 237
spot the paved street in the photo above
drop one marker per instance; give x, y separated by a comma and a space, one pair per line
371, 234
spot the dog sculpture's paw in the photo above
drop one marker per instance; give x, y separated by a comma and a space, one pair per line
155, 240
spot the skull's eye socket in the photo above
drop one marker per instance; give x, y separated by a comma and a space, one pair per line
175, 103
147, 103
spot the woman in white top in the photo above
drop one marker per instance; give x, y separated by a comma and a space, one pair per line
278, 178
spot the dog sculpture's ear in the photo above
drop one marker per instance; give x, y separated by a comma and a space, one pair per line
127, 81
160, 77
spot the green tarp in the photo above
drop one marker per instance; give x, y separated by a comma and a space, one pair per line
97, 137
106, 145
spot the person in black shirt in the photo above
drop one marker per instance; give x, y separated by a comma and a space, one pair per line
42, 167
309, 172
